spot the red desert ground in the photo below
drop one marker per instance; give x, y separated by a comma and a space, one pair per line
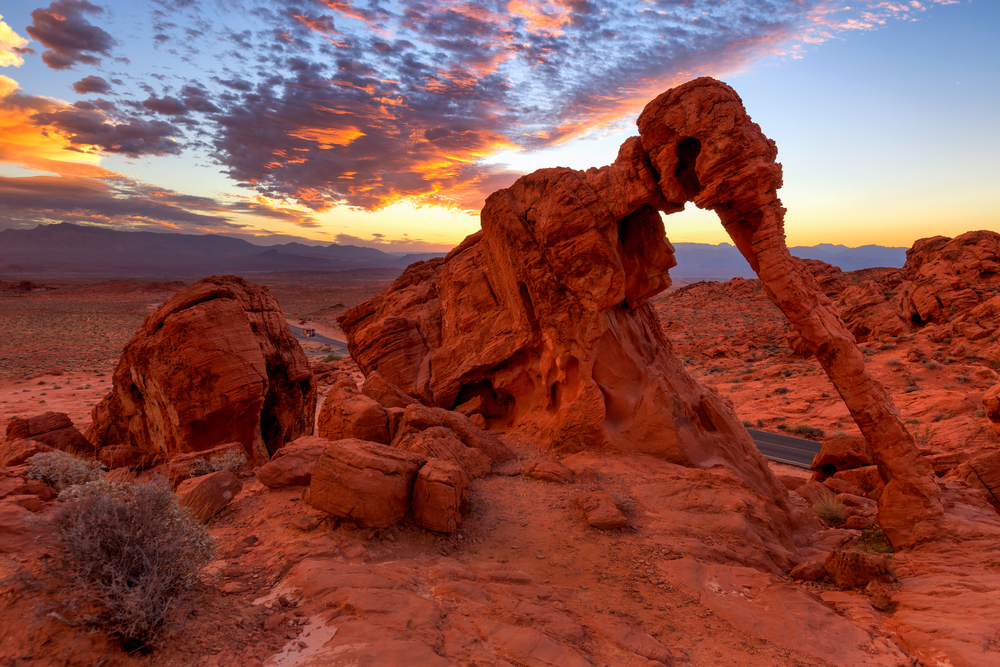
534, 453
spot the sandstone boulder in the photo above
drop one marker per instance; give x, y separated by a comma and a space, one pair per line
601, 510
216, 363
440, 496
417, 418
208, 494
865, 478
364, 482
841, 486
53, 428
814, 491
853, 569
16, 452
293, 463
347, 413
868, 315
841, 452
442, 443
809, 570
549, 470
123, 456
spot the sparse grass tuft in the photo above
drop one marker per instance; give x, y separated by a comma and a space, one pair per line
894, 363
131, 553
781, 390
830, 510
61, 470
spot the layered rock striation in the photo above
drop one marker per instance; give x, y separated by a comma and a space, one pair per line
216, 363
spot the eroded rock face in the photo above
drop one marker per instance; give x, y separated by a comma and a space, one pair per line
540, 320
55, 429
216, 363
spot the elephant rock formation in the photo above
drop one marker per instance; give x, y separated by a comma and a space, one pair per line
540, 321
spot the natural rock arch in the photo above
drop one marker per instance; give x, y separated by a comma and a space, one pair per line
540, 321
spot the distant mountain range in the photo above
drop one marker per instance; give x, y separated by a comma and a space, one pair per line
702, 261
67, 248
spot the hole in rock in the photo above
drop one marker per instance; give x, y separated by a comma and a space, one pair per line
687, 156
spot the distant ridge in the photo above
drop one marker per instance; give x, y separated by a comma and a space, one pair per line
69, 248
703, 261
79, 249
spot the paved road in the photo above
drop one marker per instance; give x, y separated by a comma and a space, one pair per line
339, 346
784, 448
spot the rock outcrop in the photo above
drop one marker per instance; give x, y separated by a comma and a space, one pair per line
55, 429
216, 363
541, 319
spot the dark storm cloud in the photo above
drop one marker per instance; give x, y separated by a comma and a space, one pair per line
69, 36
92, 84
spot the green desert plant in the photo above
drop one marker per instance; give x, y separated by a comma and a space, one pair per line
807, 431
830, 510
232, 460
61, 470
332, 357
873, 539
131, 556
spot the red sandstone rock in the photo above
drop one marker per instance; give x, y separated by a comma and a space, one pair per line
991, 406
983, 474
293, 463
941, 271
543, 316
601, 510
364, 482
15, 527
809, 570
853, 569
208, 494
347, 413
386, 393
122, 456
841, 452
841, 486
16, 452
53, 428
865, 478
442, 443
440, 496
216, 363
868, 315
813, 491
181, 466
549, 470
418, 418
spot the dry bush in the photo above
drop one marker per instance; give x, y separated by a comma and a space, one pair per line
131, 553
830, 510
232, 460
61, 470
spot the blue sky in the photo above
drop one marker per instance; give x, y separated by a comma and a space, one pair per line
388, 123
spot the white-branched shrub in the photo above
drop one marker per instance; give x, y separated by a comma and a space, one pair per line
61, 470
132, 553
232, 460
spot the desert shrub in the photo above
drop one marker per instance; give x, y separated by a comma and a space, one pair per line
873, 539
979, 413
781, 390
931, 365
760, 423
830, 510
962, 379
747, 423
807, 431
61, 470
232, 460
624, 503
923, 436
131, 555
332, 357
894, 363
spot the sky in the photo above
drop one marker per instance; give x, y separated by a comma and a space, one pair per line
388, 123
